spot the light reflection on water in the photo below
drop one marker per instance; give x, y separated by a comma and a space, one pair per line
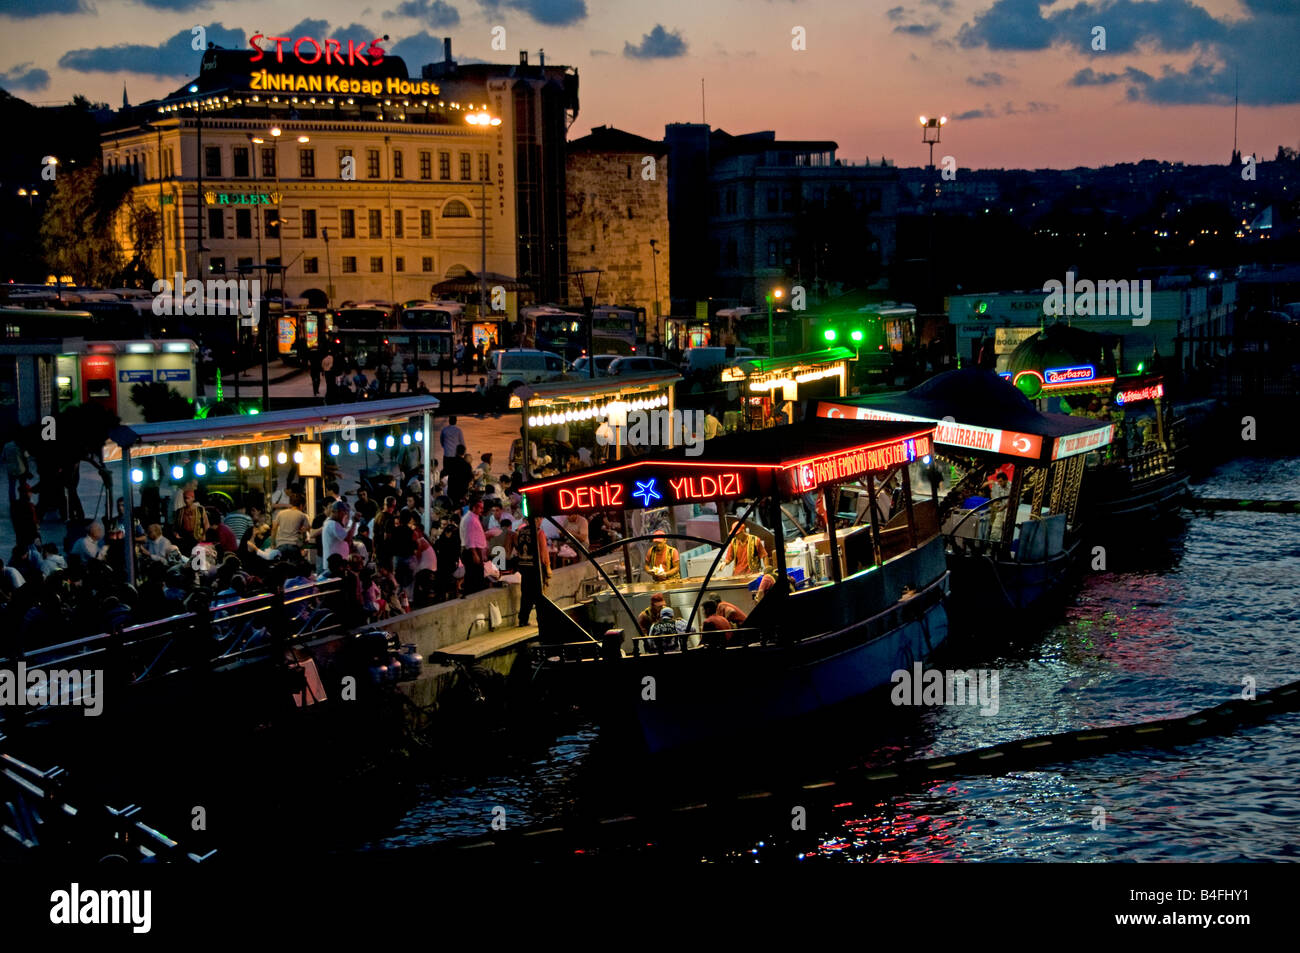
1220, 603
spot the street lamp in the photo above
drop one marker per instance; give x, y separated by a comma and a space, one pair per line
483, 119
198, 195
29, 194
930, 129
654, 267
772, 296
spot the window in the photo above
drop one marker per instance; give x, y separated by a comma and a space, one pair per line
858, 200
271, 217
426, 165
629, 211
731, 200
376, 223
212, 161
787, 200
309, 223
311, 266
874, 200
426, 223
376, 264
397, 225
216, 223
455, 209
307, 163
733, 256
772, 252
268, 163
773, 200
347, 223
398, 171
343, 155
241, 161
787, 251
372, 163
444, 165
426, 264
217, 266
243, 223
349, 264
629, 171
241, 264
399, 263
484, 167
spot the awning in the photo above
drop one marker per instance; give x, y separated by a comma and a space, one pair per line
470, 283
582, 389
232, 430
980, 412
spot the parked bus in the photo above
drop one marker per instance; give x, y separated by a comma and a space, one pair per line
430, 348
363, 317
617, 330
562, 332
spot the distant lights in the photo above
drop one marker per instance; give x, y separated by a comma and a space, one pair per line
389, 441
334, 450
353, 447
137, 475
297, 456
222, 465
372, 444
244, 462
282, 458
178, 472
200, 469
263, 460
406, 439
419, 436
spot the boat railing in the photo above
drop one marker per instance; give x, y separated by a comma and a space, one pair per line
208, 636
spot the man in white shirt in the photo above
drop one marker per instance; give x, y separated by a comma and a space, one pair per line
450, 437
91, 546
473, 546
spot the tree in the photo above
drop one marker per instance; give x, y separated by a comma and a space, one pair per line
158, 402
77, 230
59, 446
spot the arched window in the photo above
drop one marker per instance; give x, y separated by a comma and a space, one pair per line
455, 209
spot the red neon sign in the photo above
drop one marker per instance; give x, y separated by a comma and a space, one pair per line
1142, 393
706, 487
591, 497
330, 49
834, 467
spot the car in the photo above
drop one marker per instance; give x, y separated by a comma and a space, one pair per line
602, 365
640, 365
514, 367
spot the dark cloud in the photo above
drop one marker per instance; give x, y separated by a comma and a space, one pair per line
1261, 43
974, 114
417, 50
173, 57
175, 6
308, 27
435, 13
917, 29
895, 13
943, 6
550, 12
25, 78
657, 44
987, 79
27, 9
356, 32
601, 53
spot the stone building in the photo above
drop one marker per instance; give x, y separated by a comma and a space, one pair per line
618, 218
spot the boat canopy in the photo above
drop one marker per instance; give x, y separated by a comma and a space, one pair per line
787, 461
979, 411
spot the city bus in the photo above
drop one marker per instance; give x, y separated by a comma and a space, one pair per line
363, 317
430, 348
617, 330
561, 332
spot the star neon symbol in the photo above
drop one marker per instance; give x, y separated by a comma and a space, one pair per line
647, 491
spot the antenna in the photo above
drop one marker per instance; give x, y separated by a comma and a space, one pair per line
1234, 110
703, 119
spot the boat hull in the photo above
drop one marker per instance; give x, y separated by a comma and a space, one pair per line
1109, 503
985, 588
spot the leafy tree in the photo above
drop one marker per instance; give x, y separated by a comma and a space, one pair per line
159, 402
77, 230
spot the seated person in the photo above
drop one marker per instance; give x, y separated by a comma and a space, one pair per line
728, 611
661, 560
649, 616
745, 551
714, 620
666, 626
159, 546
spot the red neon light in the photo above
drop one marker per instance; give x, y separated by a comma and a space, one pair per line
331, 50
1142, 393
591, 497
706, 487
833, 467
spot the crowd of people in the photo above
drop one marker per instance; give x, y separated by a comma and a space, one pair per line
210, 547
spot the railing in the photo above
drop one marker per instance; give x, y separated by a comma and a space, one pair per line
210, 637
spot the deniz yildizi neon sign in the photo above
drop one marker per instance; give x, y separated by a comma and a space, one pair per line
1142, 393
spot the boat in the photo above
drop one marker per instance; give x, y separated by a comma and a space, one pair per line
1141, 475
844, 611
984, 427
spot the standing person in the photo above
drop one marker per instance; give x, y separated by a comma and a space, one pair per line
191, 523
336, 534
384, 374
22, 512
327, 370
313, 365
19, 467
447, 551
238, 520
473, 547
412, 375
290, 528
999, 494
746, 551
531, 553
459, 475
382, 530
450, 437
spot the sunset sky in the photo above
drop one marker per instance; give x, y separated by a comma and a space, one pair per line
1019, 78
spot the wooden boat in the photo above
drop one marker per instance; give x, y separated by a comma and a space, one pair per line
846, 610
984, 426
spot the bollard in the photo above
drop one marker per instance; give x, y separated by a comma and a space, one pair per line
613, 645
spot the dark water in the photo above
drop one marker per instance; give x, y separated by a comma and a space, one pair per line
1174, 627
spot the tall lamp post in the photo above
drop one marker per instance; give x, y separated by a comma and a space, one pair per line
772, 297
654, 268
483, 118
930, 129
198, 196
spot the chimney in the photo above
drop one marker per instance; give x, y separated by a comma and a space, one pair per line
541, 57
446, 49
523, 57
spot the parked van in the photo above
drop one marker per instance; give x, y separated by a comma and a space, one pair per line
517, 366
703, 358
